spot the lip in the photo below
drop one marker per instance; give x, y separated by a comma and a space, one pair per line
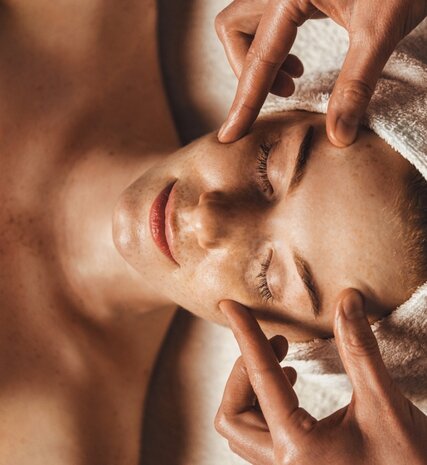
160, 222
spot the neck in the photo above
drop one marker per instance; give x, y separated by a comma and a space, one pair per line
109, 125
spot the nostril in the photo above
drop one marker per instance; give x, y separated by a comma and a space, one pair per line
203, 198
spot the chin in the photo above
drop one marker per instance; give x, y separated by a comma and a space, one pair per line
125, 227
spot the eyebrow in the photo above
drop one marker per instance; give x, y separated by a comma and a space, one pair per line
306, 276
304, 152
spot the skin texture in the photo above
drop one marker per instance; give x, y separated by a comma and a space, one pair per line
277, 431
79, 329
83, 115
258, 34
225, 225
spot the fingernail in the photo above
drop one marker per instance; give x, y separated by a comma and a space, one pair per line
227, 134
221, 131
346, 130
222, 305
231, 309
352, 306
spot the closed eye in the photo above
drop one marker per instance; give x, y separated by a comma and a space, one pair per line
262, 163
264, 290
303, 156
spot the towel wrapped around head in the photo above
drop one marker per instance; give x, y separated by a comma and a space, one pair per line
398, 115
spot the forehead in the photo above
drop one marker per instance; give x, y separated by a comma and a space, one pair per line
286, 117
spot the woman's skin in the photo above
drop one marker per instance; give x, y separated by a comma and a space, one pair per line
83, 115
227, 220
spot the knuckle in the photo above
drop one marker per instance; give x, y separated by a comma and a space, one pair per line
355, 92
258, 58
297, 11
241, 371
233, 447
220, 24
250, 108
260, 375
240, 362
282, 456
221, 422
303, 420
361, 345
225, 20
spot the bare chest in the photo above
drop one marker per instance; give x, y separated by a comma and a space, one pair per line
79, 74
70, 392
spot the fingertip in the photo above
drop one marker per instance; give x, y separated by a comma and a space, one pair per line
230, 307
350, 305
221, 132
293, 66
341, 126
223, 306
280, 346
283, 85
291, 374
233, 127
333, 139
229, 132
343, 132
298, 70
224, 303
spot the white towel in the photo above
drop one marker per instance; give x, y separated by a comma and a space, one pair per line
397, 114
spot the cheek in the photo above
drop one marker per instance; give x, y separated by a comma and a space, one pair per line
201, 288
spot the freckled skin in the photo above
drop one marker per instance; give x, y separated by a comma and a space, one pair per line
338, 219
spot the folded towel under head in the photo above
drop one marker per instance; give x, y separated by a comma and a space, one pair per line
397, 114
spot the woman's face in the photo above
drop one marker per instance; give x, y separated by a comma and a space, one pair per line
280, 221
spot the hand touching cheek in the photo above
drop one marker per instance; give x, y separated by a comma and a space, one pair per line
380, 426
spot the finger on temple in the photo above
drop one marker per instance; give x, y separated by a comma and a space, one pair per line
273, 40
358, 348
354, 87
273, 390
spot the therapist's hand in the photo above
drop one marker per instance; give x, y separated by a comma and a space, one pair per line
258, 34
263, 423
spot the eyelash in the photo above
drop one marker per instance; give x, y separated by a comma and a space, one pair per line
262, 158
263, 288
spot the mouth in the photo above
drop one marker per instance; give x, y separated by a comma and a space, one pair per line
160, 222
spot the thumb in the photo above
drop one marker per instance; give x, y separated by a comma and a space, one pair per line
354, 88
358, 348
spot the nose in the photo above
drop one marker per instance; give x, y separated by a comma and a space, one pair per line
211, 220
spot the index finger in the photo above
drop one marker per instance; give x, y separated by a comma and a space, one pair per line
274, 392
273, 40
